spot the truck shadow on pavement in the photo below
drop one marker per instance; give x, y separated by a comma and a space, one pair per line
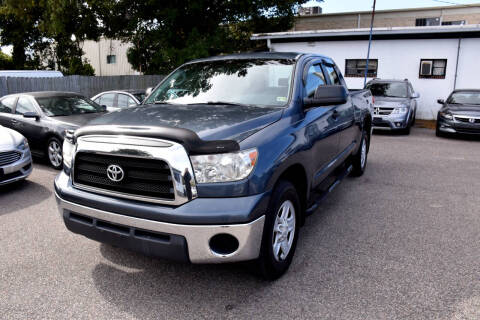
12, 196
152, 288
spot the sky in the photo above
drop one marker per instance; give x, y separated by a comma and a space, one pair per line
330, 6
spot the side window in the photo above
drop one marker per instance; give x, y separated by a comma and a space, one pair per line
107, 99
410, 88
24, 105
332, 74
6, 105
314, 79
131, 102
123, 101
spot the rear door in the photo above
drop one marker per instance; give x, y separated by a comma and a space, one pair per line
6, 111
321, 125
344, 114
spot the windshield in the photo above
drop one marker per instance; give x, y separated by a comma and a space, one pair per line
241, 81
67, 106
392, 89
463, 97
140, 96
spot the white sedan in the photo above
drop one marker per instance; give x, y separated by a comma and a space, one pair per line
15, 156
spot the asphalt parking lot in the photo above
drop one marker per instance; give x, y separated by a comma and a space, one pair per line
401, 242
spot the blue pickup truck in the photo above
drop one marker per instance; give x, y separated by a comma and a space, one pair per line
222, 162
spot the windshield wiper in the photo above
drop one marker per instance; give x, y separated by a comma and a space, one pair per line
224, 103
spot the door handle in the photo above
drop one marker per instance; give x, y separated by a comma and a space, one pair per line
13, 121
335, 115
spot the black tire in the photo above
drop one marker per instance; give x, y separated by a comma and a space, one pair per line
407, 130
439, 133
271, 266
54, 160
357, 163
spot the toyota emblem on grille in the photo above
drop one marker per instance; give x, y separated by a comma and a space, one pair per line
115, 173
472, 120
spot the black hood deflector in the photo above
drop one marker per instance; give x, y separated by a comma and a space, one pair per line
189, 139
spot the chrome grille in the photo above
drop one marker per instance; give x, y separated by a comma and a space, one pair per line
466, 119
9, 157
142, 177
382, 111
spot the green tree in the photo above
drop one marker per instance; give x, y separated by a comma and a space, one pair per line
165, 34
6, 61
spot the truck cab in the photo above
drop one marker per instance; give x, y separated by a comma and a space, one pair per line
222, 163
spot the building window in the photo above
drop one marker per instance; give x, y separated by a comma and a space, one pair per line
425, 22
356, 67
454, 23
433, 68
111, 58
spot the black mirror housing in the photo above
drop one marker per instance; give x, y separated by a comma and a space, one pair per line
31, 114
441, 101
327, 95
104, 107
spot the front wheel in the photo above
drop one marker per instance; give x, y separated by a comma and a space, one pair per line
359, 159
280, 233
54, 153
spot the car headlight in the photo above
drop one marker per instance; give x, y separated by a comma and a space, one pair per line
225, 167
446, 115
68, 148
23, 145
400, 110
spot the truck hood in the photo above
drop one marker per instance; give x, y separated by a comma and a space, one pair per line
209, 122
464, 109
9, 139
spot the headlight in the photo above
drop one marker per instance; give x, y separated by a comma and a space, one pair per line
446, 115
68, 148
400, 110
224, 167
23, 145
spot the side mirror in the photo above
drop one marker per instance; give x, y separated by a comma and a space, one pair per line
148, 91
415, 95
327, 95
441, 101
31, 114
104, 107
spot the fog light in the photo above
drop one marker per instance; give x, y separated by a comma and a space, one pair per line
398, 124
223, 244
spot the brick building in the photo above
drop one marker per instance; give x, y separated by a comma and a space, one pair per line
445, 15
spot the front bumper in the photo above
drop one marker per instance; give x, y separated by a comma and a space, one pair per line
138, 226
18, 170
390, 122
452, 126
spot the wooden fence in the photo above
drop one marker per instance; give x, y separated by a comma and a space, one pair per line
88, 86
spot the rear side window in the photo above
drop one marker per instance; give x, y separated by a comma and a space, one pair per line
313, 79
332, 74
24, 105
107, 99
7, 104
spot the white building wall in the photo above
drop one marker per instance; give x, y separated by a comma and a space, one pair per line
96, 53
400, 59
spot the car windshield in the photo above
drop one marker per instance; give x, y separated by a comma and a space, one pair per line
388, 89
464, 97
67, 106
260, 82
140, 96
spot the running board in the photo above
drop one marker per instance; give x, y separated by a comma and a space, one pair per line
323, 194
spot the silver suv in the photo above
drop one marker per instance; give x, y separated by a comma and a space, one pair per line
395, 104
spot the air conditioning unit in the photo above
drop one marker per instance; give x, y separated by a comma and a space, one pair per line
426, 68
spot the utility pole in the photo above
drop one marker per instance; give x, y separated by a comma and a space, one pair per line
369, 42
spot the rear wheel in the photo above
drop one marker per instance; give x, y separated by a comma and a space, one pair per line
54, 153
359, 159
280, 232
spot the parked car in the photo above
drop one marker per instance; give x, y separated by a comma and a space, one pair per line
460, 113
43, 117
223, 162
116, 100
395, 105
15, 157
